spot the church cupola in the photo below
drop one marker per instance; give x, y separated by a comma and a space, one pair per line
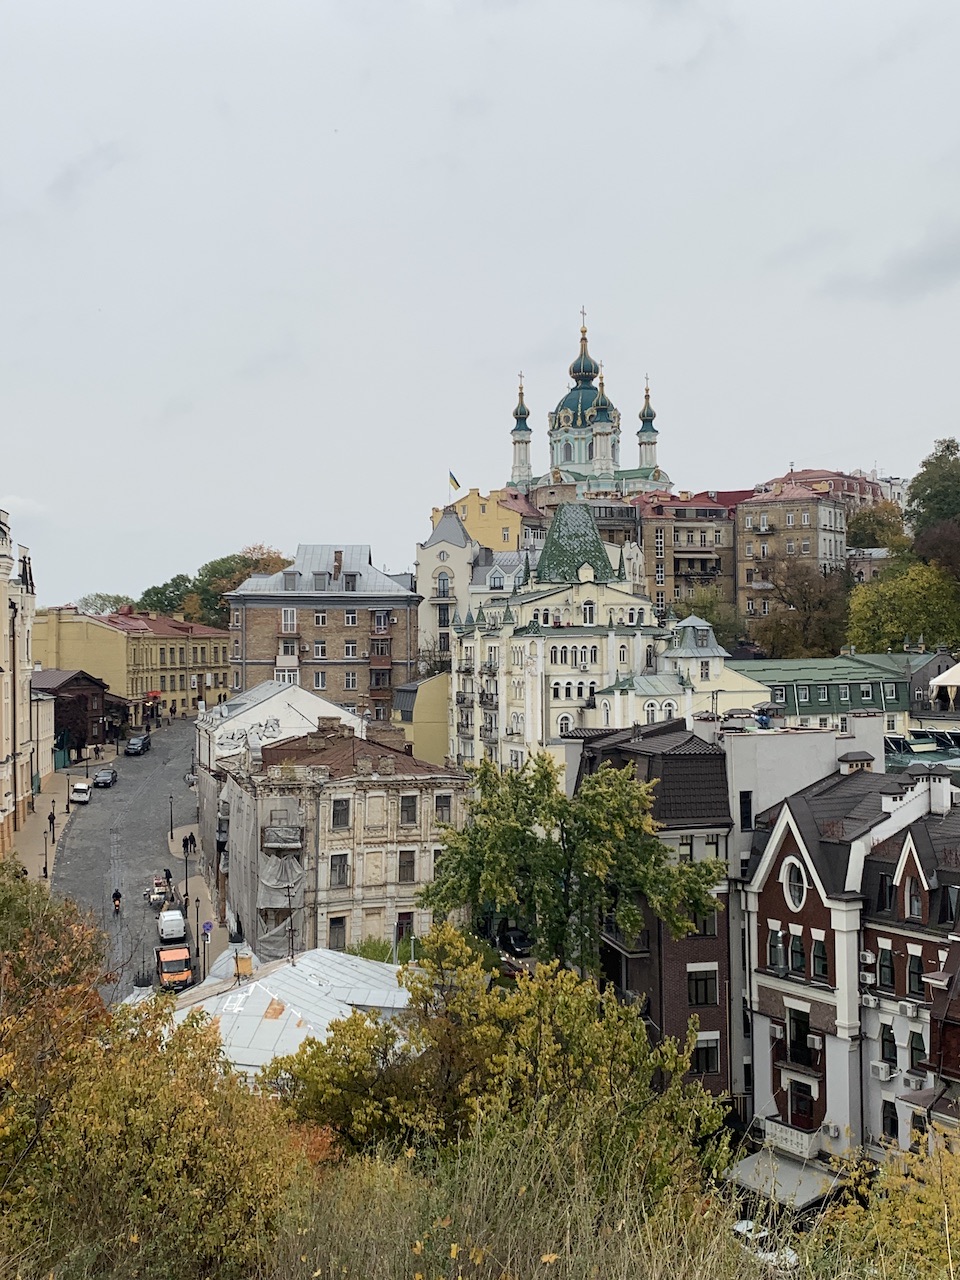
584, 369
647, 435
521, 474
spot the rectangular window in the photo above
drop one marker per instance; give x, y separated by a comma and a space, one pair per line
748, 522
341, 815
349, 617
407, 866
805, 546
282, 675
288, 622
319, 648
320, 618
660, 575
349, 680
444, 808
706, 1058
885, 970
319, 679
702, 987
790, 519
821, 968
163, 684
890, 691
764, 548
779, 694
749, 549
844, 724
505, 534
339, 871
349, 582
183, 682
350, 649
337, 933
203, 653
194, 652
443, 615
791, 547
823, 693
866, 693
704, 669
408, 811
163, 656
803, 693
746, 810
658, 543
288, 648
706, 925
805, 517
236, 617
685, 851
844, 693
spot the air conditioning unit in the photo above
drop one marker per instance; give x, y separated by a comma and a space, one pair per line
908, 1009
393, 621
193, 682
867, 957
365, 654
882, 1070
868, 979
830, 1130
584, 666
815, 1042
914, 1082
776, 1032
869, 1001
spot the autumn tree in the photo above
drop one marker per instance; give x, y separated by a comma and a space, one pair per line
808, 610
549, 1048
167, 598
934, 492
215, 578
879, 525
98, 602
562, 864
922, 600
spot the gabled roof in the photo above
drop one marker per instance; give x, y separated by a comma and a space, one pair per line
573, 541
344, 756
450, 529
51, 679
688, 647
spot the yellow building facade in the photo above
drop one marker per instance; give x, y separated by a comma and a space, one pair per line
490, 519
421, 709
160, 665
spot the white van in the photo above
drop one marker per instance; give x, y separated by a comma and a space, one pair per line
171, 926
80, 793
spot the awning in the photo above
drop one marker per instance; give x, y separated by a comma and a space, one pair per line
781, 1178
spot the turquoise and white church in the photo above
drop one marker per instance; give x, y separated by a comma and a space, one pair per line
584, 437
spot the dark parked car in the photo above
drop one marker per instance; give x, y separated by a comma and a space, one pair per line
515, 942
105, 777
137, 746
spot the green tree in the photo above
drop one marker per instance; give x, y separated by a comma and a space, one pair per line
880, 525
808, 615
562, 864
102, 602
729, 626
167, 598
940, 544
934, 493
549, 1049
217, 577
922, 600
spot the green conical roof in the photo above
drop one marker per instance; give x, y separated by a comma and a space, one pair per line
572, 541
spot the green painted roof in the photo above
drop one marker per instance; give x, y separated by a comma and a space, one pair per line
811, 670
571, 542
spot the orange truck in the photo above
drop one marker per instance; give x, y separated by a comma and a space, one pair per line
174, 970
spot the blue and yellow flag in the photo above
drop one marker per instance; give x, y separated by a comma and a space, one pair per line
454, 482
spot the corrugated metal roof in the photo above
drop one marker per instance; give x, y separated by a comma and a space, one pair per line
313, 558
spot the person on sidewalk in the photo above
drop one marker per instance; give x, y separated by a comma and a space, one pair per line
192, 841
52, 823
185, 844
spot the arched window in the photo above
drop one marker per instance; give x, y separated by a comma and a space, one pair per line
650, 712
556, 689
913, 899
588, 613
443, 584
568, 452
536, 615
605, 708
669, 710
649, 655
564, 724
580, 689
640, 617
593, 687
630, 616
574, 657
623, 653
594, 653
556, 619
553, 653
568, 690
563, 654
590, 450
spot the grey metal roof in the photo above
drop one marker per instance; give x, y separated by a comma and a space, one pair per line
450, 529
286, 1002
314, 558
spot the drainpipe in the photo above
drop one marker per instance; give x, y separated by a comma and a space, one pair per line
14, 691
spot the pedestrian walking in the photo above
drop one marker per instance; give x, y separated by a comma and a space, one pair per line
186, 845
52, 821
192, 841
96, 752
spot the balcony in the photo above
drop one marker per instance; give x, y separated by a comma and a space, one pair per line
441, 597
488, 668
637, 944
489, 734
464, 699
464, 730
381, 691
465, 669
290, 661
380, 661
804, 1143
487, 699
289, 632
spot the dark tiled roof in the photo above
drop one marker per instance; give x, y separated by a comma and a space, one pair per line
571, 542
341, 756
50, 679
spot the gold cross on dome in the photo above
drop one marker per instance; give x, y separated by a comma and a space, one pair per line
583, 316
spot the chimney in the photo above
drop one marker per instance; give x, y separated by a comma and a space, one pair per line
941, 796
337, 564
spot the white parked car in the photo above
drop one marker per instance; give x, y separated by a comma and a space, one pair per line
761, 1243
80, 793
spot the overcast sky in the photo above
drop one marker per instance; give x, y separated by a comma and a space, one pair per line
269, 270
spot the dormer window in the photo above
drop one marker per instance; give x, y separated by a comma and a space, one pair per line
290, 580
913, 899
319, 582
703, 637
496, 582
350, 581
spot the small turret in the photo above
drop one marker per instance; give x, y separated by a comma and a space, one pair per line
647, 435
521, 474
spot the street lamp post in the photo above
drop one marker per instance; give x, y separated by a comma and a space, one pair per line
186, 880
45, 871
171, 817
197, 934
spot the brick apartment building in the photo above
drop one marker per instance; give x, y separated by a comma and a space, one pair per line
330, 622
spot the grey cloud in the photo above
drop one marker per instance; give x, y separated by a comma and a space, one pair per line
931, 266
812, 244
86, 169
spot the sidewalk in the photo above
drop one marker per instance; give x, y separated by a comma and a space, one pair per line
29, 844
196, 888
